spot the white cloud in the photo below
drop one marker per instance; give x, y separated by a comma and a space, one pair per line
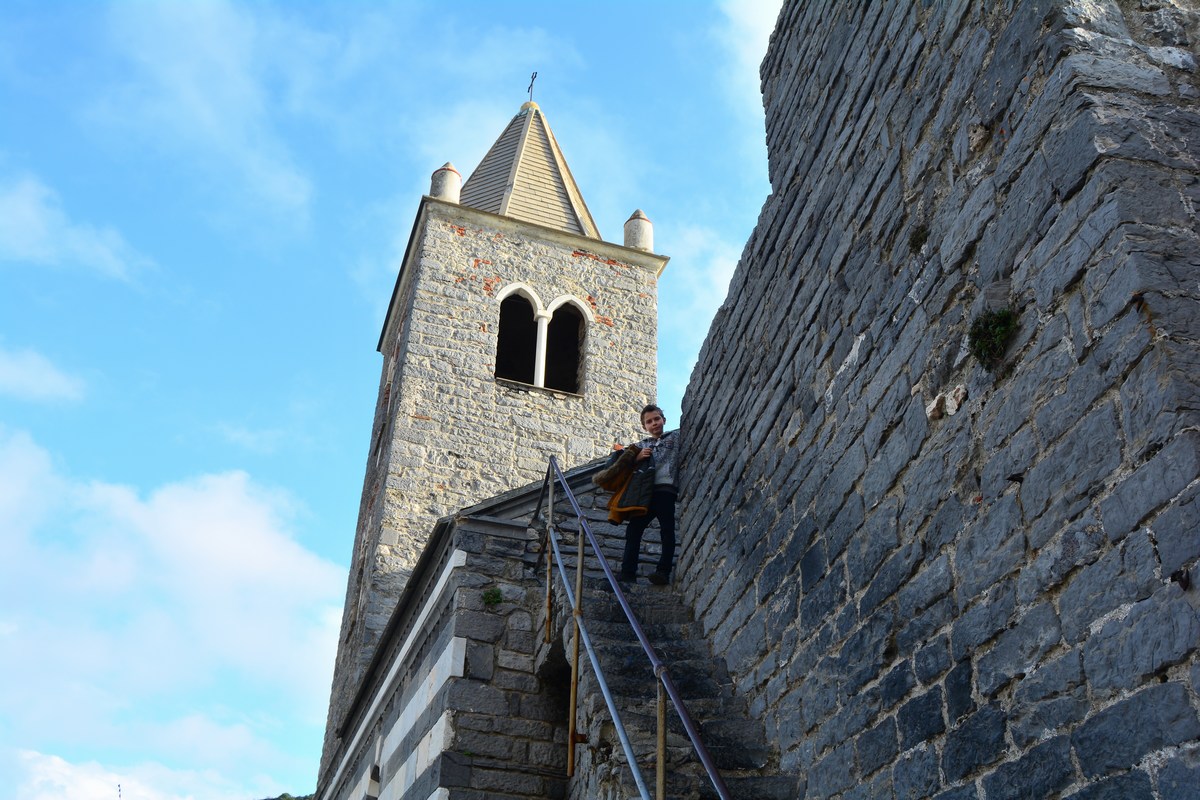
201, 88
745, 38
34, 229
49, 777
262, 441
695, 283
28, 375
148, 619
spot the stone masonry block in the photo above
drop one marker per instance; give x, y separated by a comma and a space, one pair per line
1125, 574
920, 719
1179, 776
1041, 772
1152, 484
1130, 786
1120, 735
984, 620
1080, 544
1175, 531
960, 699
990, 548
1158, 632
1061, 483
868, 550
1019, 649
915, 774
932, 660
877, 746
975, 743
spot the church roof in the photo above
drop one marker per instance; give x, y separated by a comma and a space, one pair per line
525, 176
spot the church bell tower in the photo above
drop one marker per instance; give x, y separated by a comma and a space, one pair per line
514, 333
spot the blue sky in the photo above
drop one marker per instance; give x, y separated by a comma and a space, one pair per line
202, 210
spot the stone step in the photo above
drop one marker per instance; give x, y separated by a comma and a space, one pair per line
691, 782
602, 632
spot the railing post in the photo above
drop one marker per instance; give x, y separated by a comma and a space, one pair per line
549, 551
661, 776
577, 615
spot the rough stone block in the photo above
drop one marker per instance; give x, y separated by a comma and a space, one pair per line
989, 549
891, 575
1120, 735
1130, 786
985, 619
959, 688
812, 565
825, 598
920, 719
1152, 485
1080, 544
1061, 483
1157, 633
1175, 531
896, 685
877, 746
834, 773
1125, 574
1041, 772
1179, 777
975, 743
932, 660
868, 550
1018, 650
915, 774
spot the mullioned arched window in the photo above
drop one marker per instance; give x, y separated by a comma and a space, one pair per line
541, 346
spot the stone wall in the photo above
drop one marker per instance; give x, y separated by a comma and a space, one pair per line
930, 578
451, 706
447, 432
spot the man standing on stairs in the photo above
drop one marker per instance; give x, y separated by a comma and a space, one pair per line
657, 453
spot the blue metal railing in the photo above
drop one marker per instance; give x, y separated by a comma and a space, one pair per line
663, 678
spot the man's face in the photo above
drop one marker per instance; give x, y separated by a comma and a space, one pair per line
653, 422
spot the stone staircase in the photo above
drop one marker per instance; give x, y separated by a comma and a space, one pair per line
736, 743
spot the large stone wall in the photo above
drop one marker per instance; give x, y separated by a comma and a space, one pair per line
447, 432
1002, 601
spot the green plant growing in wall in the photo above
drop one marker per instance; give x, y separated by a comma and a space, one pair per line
990, 335
492, 597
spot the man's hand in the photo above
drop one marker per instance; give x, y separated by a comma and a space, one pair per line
644, 453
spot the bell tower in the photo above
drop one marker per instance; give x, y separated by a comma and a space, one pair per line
514, 333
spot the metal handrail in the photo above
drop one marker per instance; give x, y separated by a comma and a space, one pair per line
663, 677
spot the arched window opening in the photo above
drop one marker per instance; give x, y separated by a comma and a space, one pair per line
564, 346
516, 340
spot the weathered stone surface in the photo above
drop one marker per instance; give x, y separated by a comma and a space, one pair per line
1130, 786
1042, 771
878, 746
1018, 650
1155, 634
1154, 483
1158, 716
921, 718
915, 774
1123, 575
976, 742
1179, 777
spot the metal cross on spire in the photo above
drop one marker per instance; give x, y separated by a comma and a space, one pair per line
532, 78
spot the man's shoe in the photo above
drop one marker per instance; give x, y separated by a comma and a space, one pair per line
623, 578
659, 579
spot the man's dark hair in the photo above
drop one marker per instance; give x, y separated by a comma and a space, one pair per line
648, 409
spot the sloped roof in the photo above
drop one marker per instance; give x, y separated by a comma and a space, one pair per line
525, 176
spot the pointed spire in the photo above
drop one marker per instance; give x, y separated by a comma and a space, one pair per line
525, 176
